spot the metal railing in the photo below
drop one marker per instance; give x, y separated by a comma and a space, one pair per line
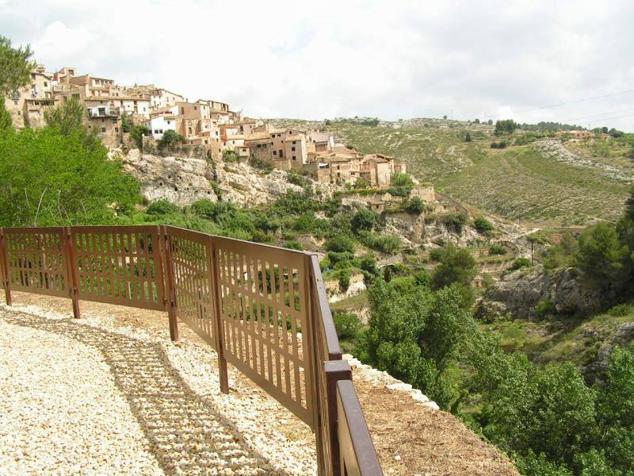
263, 309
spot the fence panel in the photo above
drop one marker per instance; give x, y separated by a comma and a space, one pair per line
119, 265
263, 309
36, 260
191, 261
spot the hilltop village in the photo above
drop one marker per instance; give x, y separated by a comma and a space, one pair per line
208, 125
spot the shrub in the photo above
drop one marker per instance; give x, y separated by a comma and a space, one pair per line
455, 221
340, 243
482, 225
169, 139
602, 256
230, 156
344, 279
620, 310
497, 249
498, 145
456, 266
162, 207
297, 179
347, 325
544, 308
521, 262
383, 243
415, 206
364, 220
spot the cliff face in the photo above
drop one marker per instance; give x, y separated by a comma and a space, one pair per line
183, 180
518, 293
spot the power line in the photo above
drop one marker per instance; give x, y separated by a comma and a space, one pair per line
574, 101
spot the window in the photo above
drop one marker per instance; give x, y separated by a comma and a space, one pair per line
294, 142
293, 149
103, 129
294, 158
275, 152
116, 129
45, 83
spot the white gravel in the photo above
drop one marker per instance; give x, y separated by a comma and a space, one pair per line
186, 425
60, 411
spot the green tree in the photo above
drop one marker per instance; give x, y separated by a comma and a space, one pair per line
340, 244
547, 411
52, 179
601, 256
68, 117
169, 139
505, 126
364, 220
15, 66
456, 266
137, 133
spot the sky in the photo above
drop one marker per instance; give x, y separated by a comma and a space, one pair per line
566, 61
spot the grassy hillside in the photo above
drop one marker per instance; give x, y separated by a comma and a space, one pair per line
516, 183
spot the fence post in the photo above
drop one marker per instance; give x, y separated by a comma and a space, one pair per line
335, 370
171, 286
68, 249
4, 267
217, 317
316, 364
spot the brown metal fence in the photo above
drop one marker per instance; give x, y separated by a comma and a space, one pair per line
263, 309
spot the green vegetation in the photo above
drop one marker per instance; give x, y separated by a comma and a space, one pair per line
482, 225
51, 178
170, 139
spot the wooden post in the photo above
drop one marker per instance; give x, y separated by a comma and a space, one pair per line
4, 267
335, 370
170, 287
217, 316
72, 273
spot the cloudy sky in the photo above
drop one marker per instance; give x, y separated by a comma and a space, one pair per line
530, 60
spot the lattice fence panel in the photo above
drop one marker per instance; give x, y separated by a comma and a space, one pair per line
36, 260
192, 261
120, 265
263, 311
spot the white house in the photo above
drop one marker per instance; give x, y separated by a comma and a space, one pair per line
160, 124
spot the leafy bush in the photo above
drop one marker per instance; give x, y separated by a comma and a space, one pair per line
344, 279
415, 206
169, 139
384, 243
297, 179
621, 310
49, 178
454, 221
521, 262
456, 266
162, 207
544, 308
364, 220
347, 324
496, 249
498, 145
137, 133
602, 256
340, 243
293, 245
482, 225
230, 156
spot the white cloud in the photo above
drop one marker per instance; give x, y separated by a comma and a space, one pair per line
359, 57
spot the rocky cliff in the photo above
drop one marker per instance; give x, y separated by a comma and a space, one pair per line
183, 180
519, 293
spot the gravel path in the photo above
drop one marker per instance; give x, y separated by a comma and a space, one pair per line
60, 410
108, 398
